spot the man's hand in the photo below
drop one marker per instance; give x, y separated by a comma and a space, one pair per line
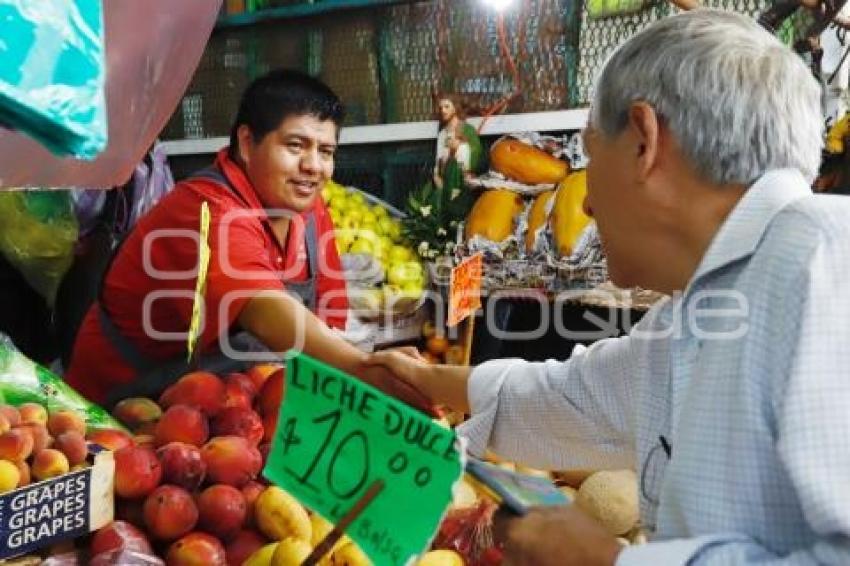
407, 364
442, 385
379, 370
559, 536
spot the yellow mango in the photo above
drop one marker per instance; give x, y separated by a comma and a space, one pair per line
568, 218
291, 552
525, 163
350, 555
441, 558
492, 215
280, 516
262, 556
536, 218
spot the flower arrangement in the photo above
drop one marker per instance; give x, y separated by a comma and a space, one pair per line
433, 217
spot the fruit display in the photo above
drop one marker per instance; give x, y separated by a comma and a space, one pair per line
546, 225
529, 222
386, 272
36, 445
187, 475
438, 348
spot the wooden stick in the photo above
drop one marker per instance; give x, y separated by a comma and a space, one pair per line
327, 543
467, 339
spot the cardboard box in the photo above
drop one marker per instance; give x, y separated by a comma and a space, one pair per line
66, 507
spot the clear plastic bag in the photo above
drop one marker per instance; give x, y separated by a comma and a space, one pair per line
152, 50
38, 230
24, 381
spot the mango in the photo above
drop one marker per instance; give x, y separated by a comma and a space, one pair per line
231, 460
199, 389
238, 421
182, 423
195, 549
170, 512
262, 556
137, 411
279, 515
221, 510
137, 472
291, 552
242, 546
182, 465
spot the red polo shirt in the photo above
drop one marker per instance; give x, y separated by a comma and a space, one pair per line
153, 276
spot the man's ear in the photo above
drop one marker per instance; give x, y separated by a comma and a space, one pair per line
244, 141
646, 129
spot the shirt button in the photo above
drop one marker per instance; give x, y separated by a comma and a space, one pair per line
280, 260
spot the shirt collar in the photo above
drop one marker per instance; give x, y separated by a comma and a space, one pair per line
238, 180
740, 233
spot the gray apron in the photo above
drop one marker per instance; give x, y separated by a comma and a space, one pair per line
152, 376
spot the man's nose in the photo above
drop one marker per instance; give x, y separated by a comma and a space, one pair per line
310, 160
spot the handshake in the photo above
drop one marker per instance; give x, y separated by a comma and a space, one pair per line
406, 375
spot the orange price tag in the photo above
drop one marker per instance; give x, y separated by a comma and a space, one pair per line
465, 289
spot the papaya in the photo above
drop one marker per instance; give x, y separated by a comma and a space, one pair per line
492, 215
568, 218
525, 163
536, 218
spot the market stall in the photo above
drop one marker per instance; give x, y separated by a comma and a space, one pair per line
465, 237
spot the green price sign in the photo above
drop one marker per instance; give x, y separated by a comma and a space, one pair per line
337, 436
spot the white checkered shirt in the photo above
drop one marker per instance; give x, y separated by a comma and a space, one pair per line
746, 378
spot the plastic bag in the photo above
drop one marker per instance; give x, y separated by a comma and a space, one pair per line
152, 50
52, 74
123, 557
152, 180
469, 532
38, 230
23, 381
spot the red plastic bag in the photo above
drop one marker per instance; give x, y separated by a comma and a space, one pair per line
469, 532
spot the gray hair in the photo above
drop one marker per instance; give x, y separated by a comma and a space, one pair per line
735, 98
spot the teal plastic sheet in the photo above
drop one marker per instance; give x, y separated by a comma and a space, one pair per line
52, 71
152, 50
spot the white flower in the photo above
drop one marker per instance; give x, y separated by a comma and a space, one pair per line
423, 248
454, 194
425, 210
441, 231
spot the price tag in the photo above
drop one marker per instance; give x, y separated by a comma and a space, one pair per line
465, 289
337, 436
201, 283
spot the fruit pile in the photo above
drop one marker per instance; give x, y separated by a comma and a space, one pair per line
188, 485
438, 348
188, 482
372, 230
36, 445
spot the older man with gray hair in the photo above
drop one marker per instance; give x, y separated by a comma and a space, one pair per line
731, 399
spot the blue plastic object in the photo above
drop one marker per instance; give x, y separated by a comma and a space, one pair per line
52, 73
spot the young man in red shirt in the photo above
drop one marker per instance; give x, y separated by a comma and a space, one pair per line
273, 260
